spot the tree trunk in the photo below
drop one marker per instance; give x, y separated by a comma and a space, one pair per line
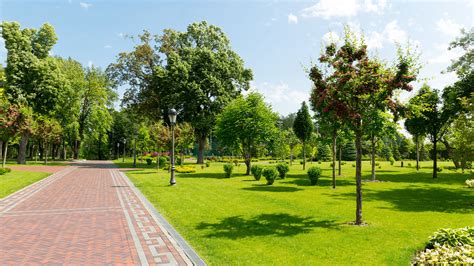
304, 155
358, 176
46, 149
435, 159
4, 161
334, 137
201, 146
372, 140
247, 164
1, 149
417, 153
449, 149
22, 149
291, 156
53, 151
340, 158
100, 146
64, 151
77, 147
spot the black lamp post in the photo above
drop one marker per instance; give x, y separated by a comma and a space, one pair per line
124, 144
135, 148
172, 116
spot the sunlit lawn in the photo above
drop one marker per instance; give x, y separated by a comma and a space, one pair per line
243, 221
39, 162
16, 180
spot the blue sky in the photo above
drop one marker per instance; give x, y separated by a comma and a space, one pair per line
278, 40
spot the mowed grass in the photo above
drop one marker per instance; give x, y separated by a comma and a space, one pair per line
240, 221
16, 180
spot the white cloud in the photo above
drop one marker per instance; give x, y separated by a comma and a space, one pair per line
90, 63
374, 40
282, 98
332, 8
292, 19
448, 27
108, 46
328, 9
443, 55
331, 37
85, 5
394, 33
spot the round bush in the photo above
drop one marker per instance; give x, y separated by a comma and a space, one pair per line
270, 174
256, 171
148, 160
282, 169
228, 170
208, 163
314, 173
5, 170
162, 161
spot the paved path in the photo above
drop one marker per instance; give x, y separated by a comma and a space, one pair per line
86, 214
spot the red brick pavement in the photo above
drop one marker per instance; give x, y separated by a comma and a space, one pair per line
85, 214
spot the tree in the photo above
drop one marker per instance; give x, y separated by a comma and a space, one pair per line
184, 138
286, 122
196, 72
415, 126
33, 78
427, 109
303, 127
354, 82
245, 124
324, 152
48, 130
349, 152
329, 128
292, 141
281, 148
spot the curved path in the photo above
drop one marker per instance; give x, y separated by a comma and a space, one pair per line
88, 213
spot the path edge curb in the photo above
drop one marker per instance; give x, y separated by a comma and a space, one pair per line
187, 249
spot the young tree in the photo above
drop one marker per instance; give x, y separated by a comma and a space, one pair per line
353, 83
415, 126
292, 141
303, 127
380, 125
280, 145
245, 124
196, 72
184, 138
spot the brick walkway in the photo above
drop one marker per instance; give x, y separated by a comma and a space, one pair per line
86, 214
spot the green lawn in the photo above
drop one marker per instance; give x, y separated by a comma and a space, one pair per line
50, 163
16, 180
240, 221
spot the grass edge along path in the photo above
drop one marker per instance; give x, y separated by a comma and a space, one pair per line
16, 180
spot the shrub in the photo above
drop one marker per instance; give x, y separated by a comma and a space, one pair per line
228, 169
470, 183
179, 161
256, 171
377, 164
331, 165
452, 237
409, 164
185, 169
353, 165
148, 160
236, 162
314, 173
392, 160
319, 162
208, 163
270, 174
301, 162
343, 163
439, 169
282, 169
446, 255
380, 167
162, 161
5, 170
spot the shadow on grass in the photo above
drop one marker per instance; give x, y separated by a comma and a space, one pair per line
420, 199
268, 188
414, 177
303, 180
278, 224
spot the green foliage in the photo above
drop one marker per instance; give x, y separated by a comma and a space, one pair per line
246, 125
324, 152
162, 161
256, 171
270, 174
348, 152
185, 169
392, 160
208, 163
303, 125
452, 237
470, 183
282, 169
228, 168
5, 170
314, 173
148, 160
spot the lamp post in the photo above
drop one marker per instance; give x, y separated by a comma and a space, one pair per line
124, 144
172, 116
135, 148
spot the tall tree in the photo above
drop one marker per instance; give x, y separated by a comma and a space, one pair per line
33, 77
196, 72
245, 124
415, 126
354, 82
303, 127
